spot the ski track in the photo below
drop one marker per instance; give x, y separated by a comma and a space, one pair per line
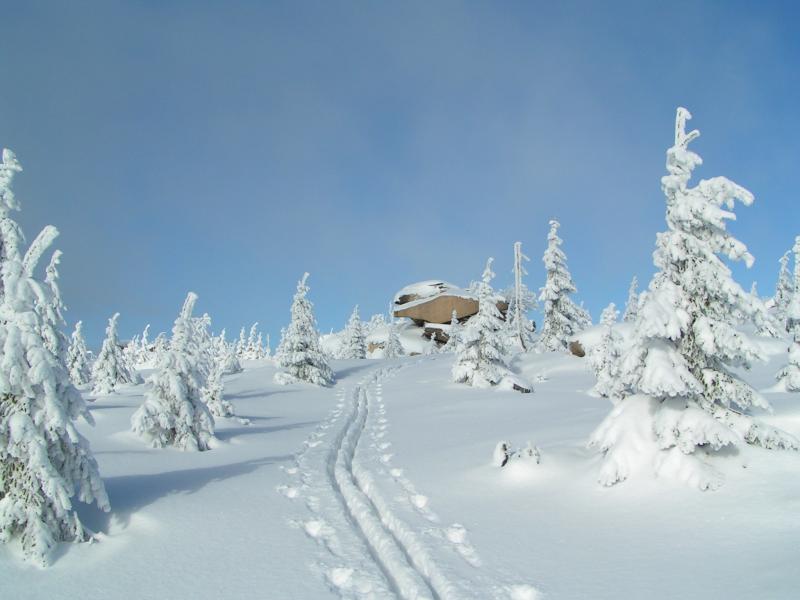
369, 550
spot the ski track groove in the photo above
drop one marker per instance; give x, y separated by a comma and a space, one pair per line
386, 557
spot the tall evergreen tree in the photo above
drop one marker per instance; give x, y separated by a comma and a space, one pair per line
45, 462
111, 367
683, 399
173, 412
452, 334
301, 358
562, 317
482, 359
521, 301
78, 357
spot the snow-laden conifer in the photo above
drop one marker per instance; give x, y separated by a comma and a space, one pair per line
793, 307
227, 354
604, 358
562, 317
354, 340
52, 310
252, 346
143, 354
78, 357
632, 305
160, 347
453, 333
481, 360
241, 345
432, 347
392, 348
173, 412
45, 462
683, 399
301, 358
783, 290
521, 302
111, 367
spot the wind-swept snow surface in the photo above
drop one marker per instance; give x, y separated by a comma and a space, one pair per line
383, 486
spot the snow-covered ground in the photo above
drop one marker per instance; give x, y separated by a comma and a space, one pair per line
383, 487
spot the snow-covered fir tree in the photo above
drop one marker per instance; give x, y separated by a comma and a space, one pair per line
173, 412
683, 400
521, 302
144, 352
241, 345
227, 354
562, 317
632, 305
267, 349
111, 367
789, 375
432, 347
604, 358
259, 347
301, 358
45, 462
52, 310
783, 290
78, 357
354, 341
793, 308
453, 333
252, 348
213, 394
392, 348
160, 347
481, 359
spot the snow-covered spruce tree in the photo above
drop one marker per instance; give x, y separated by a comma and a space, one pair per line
432, 347
392, 348
481, 360
354, 342
267, 349
301, 358
160, 347
111, 367
251, 351
259, 347
45, 462
783, 290
605, 357
793, 308
452, 334
173, 412
562, 317
52, 310
789, 375
683, 400
241, 346
227, 354
78, 358
521, 302
632, 305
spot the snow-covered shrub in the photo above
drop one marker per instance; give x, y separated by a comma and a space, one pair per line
481, 360
78, 357
562, 317
45, 462
683, 400
301, 358
173, 412
111, 367
505, 453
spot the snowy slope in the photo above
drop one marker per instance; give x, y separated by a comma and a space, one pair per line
383, 487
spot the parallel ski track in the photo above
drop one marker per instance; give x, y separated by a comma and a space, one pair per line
401, 557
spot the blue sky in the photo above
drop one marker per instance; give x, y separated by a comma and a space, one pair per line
226, 148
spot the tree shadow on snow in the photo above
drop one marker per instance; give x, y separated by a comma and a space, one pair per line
353, 369
227, 434
131, 493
